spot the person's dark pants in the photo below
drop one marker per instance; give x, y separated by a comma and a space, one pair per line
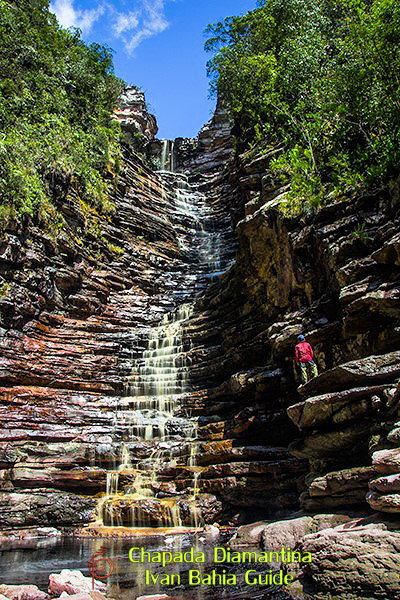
308, 370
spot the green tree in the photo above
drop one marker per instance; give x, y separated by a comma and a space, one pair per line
321, 77
56, 100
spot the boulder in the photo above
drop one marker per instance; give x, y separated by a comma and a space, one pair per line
356, 560
286, 533
248, 535
22, 592
387, 461
72, 582
289, 533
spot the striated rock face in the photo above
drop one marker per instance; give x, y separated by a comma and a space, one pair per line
76, 311
133, 115
289, 278
340, 429
76, 317
384, 494
315, 276
208, 153
212, 148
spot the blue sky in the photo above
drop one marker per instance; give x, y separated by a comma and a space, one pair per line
158, 46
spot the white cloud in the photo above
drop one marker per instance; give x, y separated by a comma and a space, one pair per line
145, 18
151, 20
125, 22
69, 16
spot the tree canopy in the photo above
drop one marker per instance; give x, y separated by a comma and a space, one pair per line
56, 100
322, 77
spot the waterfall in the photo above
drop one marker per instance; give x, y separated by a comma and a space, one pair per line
168, 156
159, 486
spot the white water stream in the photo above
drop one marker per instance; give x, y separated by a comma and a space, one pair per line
142, 492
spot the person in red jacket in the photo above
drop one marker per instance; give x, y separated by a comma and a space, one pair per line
305, 358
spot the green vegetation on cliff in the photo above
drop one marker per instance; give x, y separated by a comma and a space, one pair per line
56, 100
321, 77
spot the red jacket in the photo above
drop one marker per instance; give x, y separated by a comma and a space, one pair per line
304, 352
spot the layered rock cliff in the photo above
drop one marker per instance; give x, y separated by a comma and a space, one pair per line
333, 276
76, 313
77, 310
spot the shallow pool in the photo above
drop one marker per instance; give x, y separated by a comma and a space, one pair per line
32, 562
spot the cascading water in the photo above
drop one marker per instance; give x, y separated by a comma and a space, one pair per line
168, 156
143, 491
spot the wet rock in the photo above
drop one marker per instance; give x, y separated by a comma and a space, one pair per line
156, 512
207, 508
85, 480
72, 582
147, 512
